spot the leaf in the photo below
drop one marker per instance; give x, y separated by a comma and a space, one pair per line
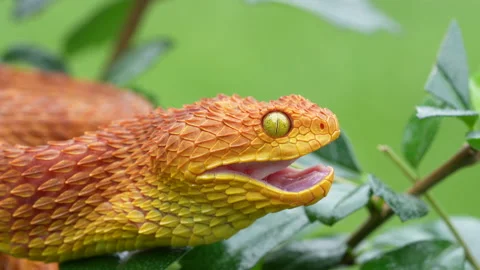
27, 8
419, 134
404, 205
136, 61
468, 117
448, 79
159, 258
101, 26
433, 254
359, 15
318, 254
473, 138
248, 246
342, 200
338, 154
107, 262
149, 95
475, 91
468, 227
34, 56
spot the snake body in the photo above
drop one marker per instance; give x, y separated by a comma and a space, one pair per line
175, 177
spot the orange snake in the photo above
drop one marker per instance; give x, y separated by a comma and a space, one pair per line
76, 180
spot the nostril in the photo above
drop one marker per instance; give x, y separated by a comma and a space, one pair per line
333, 124
335, 135
322, 126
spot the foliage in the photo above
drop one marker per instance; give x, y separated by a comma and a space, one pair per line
272, 242
358, 15
135, 61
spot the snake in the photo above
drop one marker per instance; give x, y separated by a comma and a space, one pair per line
87, 168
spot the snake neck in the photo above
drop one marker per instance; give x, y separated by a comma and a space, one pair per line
50, 194
101, 193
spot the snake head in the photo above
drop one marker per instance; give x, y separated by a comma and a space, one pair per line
243, 148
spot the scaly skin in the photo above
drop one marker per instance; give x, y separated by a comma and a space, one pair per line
36, 106
145, 181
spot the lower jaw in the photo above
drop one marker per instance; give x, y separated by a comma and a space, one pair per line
283, 194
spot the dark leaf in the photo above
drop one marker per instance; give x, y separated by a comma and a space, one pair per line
247, 247
342, 200
468, 227
108, 262
34, 56
338, 154
136, 61
159, 259
358, 15
468, 117
27, 8
404, 205
101, 26
473, 138
419, 134
448, 79
433, 254
316, 254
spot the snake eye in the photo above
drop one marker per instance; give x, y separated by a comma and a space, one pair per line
276, 124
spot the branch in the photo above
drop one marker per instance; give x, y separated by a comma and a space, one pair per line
433, 203
129, 28
465, 157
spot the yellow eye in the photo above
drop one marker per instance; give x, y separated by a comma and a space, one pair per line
276, 124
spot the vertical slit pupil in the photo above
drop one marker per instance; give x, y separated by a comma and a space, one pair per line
276, 125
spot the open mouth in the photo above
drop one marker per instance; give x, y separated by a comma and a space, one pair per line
279, 175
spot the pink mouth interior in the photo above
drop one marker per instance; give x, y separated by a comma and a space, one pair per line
278, 174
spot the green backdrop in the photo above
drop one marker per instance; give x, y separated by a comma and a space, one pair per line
372, 82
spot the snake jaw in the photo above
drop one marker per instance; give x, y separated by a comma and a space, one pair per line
294, 180
277, 180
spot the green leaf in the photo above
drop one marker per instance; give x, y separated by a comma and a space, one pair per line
159, 259
473, 138
448, 79
136, 61
247, 247
27, 8
107, 262
475, 91
149, 95
358, 15
419, 134
468, 117
468, 227
316, 254
100, 27
404, 205
433, 254
34, 56
342, 200
338, 154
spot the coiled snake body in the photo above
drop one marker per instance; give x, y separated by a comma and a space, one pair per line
175, 177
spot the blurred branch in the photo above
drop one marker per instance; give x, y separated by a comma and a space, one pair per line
387, 150
129, 28
463, 158
433, 203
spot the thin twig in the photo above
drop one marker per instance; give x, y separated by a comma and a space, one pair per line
463, 158
130, 26
411, 175
434, 204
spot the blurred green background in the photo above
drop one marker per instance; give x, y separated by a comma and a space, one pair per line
372, 82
